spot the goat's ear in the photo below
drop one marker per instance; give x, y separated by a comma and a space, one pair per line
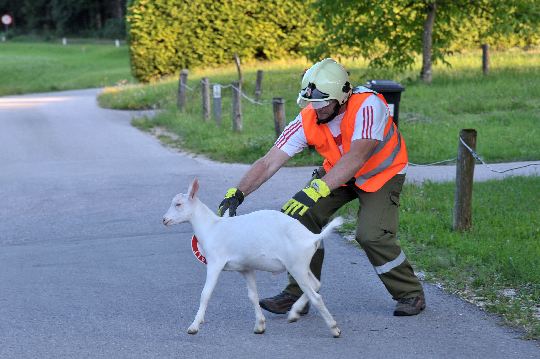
193, 188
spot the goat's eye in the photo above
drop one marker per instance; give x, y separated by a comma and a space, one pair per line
178, 205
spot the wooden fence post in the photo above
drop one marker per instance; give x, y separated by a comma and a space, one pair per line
239, 69
278, 104
217, 103
258, 85
237, 106
485, 59
464, 181
205, 93
181, 100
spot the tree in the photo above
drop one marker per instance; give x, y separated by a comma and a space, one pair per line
67, 17
394, 33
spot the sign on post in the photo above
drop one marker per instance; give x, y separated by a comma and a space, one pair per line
217, 103
6, 20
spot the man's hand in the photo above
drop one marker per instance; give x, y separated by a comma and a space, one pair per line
306, 198
233, 198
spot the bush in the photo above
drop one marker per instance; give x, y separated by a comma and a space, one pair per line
167, 35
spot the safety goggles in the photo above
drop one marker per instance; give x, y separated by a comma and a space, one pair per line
310, 94
315, 104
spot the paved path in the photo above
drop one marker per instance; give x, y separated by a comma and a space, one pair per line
88, 271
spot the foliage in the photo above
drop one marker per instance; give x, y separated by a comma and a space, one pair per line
167, 35
390, 33
96, 18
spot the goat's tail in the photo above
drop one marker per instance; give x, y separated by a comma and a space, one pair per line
338, 221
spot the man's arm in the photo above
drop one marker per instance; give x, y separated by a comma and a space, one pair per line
350, 163
262, 169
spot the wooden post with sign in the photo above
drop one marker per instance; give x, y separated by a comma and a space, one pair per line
6, 20
217, 103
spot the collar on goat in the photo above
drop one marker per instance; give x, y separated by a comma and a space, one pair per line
196, 251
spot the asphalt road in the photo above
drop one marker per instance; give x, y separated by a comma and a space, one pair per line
87, 270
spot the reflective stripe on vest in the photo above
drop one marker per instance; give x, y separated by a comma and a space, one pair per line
386, 163
387, 159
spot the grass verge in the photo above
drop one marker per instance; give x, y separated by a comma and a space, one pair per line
496, 264
504, 107
39, 67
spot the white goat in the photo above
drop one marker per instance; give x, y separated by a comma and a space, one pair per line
263, 240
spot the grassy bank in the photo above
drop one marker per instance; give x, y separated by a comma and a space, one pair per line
38, 67
496, 265
504, 107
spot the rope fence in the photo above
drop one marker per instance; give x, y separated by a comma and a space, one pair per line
478, 158
237, 94
279, 113
465, 160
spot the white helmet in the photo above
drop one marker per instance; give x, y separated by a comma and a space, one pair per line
324, 81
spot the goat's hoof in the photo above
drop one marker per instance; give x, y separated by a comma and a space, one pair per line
192, 330
293, 318
259, 331
336, 332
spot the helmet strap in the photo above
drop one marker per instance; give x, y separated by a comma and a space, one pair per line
331, 117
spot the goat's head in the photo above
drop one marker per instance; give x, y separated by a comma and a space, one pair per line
182, 205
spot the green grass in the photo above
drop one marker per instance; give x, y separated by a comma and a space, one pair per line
38, 67
504, 107
501, 251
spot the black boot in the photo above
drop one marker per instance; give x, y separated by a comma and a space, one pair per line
282, 303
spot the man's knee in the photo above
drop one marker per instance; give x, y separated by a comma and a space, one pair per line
367, 235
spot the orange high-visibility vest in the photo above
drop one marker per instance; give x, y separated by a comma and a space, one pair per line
388, 158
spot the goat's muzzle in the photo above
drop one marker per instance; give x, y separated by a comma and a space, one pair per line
166, 221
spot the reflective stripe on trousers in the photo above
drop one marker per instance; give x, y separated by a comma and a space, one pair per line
387, 267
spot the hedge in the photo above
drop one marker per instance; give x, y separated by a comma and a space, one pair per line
167, 35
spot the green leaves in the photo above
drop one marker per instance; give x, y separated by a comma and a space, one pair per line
389, 34
167, 35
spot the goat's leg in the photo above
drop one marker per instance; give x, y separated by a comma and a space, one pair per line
302, 278
294, 313
254, 297
212, 275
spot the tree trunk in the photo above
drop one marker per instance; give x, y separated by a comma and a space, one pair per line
119, 9
427, 42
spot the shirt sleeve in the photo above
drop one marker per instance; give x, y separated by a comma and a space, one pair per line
371, 119
293, 139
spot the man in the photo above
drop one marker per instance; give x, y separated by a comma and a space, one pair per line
364, 158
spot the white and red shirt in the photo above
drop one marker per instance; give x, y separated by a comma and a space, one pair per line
370, 122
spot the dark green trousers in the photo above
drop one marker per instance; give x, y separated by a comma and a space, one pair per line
376, 233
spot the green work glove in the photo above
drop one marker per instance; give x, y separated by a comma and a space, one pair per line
306, 198
233, 198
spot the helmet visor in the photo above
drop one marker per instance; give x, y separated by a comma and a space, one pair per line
311, 92
315, 104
